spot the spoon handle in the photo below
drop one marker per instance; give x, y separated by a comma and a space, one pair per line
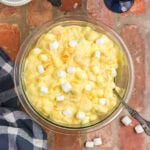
144, 123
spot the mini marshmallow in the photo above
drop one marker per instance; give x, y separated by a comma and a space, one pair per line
114, 72
102, 101
43, 90
100, 41
97, 141
54, 45
67, 112
40, 68
60, 98
80, 115
36, 50
138, 128
66, 87
89, 144
61, 73
96, 69
97, 54
72, 43
71, 70
88, 87
82, 75
126, 120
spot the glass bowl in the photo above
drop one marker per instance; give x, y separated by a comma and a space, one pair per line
124, 79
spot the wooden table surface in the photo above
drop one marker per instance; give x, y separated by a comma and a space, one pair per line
16, 23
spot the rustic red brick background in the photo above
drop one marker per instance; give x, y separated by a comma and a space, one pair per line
137, 49
133, 30
99, 12
67, 142
38, 12
138, 7
128, 139
70, 5
6, 11
9, 39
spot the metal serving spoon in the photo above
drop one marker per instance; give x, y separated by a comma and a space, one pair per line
144, 123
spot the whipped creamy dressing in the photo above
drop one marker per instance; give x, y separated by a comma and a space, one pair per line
69, 75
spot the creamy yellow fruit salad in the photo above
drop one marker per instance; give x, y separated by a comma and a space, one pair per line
69, 75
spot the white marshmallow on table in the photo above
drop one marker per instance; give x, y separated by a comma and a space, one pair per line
102, 101
97, 141
138, 128
67, 112
53, 45
43, 90
71, 70
100, 41
40, 68
88, 87
66, 87
89, 144
97, 54
72, 43
61, 73
80, 115
126, 120
60, 98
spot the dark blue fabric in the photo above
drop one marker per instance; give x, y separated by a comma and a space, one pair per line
4, 122
17, 130
4, 56
6, 83
12, 103
4, 142
23, 144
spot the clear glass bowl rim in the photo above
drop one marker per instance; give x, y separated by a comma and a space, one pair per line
40, 120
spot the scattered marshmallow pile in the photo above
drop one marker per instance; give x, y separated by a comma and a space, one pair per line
95, 142
127, 121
